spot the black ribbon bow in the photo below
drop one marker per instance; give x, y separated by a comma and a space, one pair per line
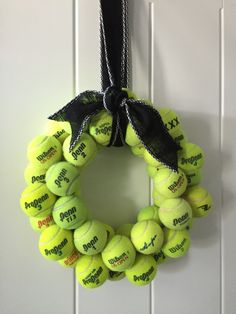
144, 119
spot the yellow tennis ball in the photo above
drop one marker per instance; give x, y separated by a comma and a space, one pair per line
70, 212
37, 201
90, 238
179, 136
82, 153
115, 275
193, 177
199, 199
150, 160
131, 137
170, 119
143, 270
56, 243
44, 151
157, 198
57, 129
100, 127
152, 171
149, 213
176, 243
62, 178
110, 231
34, 174
125, 230
170, 183
147, 236
175, 213
119, 253
191, 157
71, 260
41, 223
91, 271
160, 257
138, 150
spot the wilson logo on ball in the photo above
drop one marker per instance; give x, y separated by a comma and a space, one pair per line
118, 260
47, 155
176, 184
178, 247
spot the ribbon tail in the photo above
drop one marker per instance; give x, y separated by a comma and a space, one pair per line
78, 113
149, 127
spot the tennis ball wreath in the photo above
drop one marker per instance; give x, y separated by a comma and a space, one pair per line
53, 201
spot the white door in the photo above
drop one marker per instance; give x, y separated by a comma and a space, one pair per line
183, 57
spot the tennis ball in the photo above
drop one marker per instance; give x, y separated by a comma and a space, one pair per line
131, 137
56, 243
115, 275
152, 171
130, 93
125, 230
179, 136
62, 178
110, 231
170, 183
37, 201
70, 212
191, 157
147, 236
149, 213
157, 198
119, 253
160, 257
44, 151
150, 160
57, 129
170, 119
34, 174
138, 150
70, 260
199, 199
82, 153
90, 238
193, 177
143, 270
176, 242
91, 271
175, 213
100, 127
39, 224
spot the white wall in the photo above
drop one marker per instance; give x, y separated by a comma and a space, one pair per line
183, 56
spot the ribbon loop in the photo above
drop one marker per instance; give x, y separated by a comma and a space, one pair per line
113, 99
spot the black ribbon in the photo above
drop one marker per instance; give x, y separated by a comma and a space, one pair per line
145, 120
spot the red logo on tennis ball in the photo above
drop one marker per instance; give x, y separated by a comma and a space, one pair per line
45, 222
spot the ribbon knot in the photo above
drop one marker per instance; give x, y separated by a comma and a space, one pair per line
114, 99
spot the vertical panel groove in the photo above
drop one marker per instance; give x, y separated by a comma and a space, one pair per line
151, 97
221, 128
75, 91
